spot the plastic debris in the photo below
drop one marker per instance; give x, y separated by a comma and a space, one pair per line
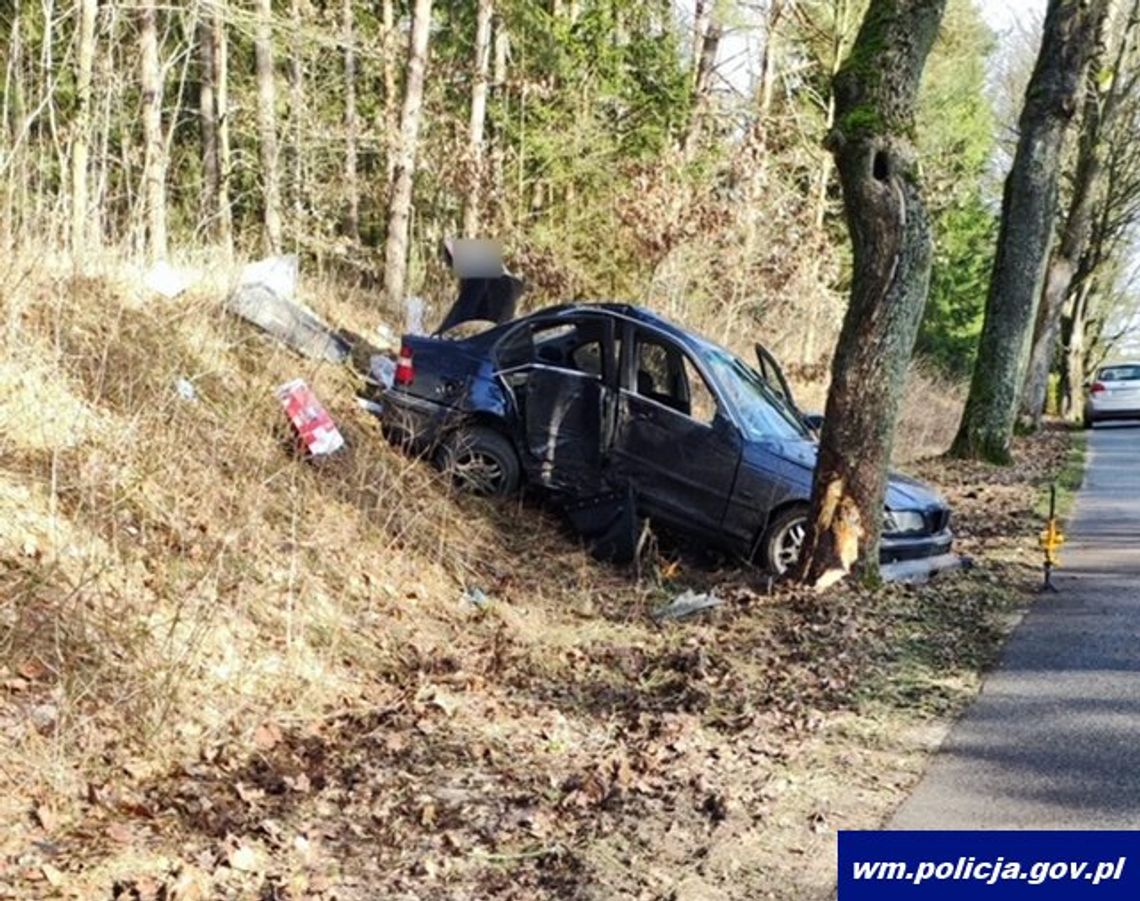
386, 338
186, 389
474, 599
382, 370
312, 421
168, 281
264, 297
414, 316
687, 604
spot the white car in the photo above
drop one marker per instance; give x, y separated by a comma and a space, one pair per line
1114, 394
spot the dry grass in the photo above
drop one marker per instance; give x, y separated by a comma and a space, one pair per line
192, 620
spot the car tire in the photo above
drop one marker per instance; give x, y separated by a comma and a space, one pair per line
785, 530
481, 461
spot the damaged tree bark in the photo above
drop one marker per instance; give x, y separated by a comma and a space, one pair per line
875, 94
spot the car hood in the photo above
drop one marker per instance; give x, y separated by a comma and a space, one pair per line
903, 492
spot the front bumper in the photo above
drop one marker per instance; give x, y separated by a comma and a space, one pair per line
894, 548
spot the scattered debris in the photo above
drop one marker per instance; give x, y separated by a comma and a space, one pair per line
924, 569
382, 370
312, 421
413, 316
186, 389
264, 298
168, 281
386, 338
686, 604
474, 599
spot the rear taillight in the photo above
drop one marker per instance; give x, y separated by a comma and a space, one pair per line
405, 371
1098, 387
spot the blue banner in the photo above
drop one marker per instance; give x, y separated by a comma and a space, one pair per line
1046, 866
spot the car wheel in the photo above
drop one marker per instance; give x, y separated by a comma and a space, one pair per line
481, 461
784, 540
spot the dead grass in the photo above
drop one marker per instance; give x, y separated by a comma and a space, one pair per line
220, 666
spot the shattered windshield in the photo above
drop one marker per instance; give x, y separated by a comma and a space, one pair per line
762, 413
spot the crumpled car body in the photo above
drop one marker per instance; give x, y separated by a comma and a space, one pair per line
593, 399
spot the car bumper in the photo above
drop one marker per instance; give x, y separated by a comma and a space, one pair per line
894, 548
1098, 413
408, 418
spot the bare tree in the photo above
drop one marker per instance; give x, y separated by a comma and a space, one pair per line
477, 122
208, 117
875, 94
81, 128
297, 110
351, 188
1102, 98
389, 123
400, 199
154, 147
1028, 209
220, 56
267, 125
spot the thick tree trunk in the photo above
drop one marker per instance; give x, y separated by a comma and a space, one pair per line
225, 228
400, 200
1096, 120
1072, 404
1028, 208
154, 148
267, 126
81, 134
478, 119
875, 91
351, 187
711, 32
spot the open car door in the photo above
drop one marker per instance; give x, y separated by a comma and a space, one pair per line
563, 376
772, 374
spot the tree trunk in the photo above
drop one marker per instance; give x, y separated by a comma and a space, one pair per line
1072, 406
208, 117
267, 126
352, 189
477, 122
1028, 208
80, 143
875, 91
400, 201
220, 54
297, 113
1096, 119
154, 148
390, 121
709, 47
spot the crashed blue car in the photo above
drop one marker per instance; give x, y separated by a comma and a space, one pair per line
611, 401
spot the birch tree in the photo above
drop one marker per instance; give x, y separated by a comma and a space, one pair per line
154, 147
400, 198
478, 118
267, 126
81, 129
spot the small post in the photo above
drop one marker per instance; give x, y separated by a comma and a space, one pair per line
1051, 540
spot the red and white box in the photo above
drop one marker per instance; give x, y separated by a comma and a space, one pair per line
309, 417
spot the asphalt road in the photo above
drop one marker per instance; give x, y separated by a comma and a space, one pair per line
1053, 740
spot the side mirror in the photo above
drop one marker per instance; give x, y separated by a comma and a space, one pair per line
813, 421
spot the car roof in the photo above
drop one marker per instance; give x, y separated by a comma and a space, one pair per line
625, 311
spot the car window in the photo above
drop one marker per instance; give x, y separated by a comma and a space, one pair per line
666, 375
762, 413
702, 402
548, 343
1119, 374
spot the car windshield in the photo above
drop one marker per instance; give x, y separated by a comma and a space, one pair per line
762, 412
1119, 374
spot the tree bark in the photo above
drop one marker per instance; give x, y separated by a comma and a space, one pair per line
1028, 208
1096, 119
400, 200
267, 126
351, 187
208, 118
297, 113
390, 122
154, 148
225, 228
81, 138
478, 119
875, 93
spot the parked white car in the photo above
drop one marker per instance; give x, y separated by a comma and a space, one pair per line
1113, 394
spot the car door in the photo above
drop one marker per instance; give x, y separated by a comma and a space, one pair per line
774, 376
673, 441
562, 375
